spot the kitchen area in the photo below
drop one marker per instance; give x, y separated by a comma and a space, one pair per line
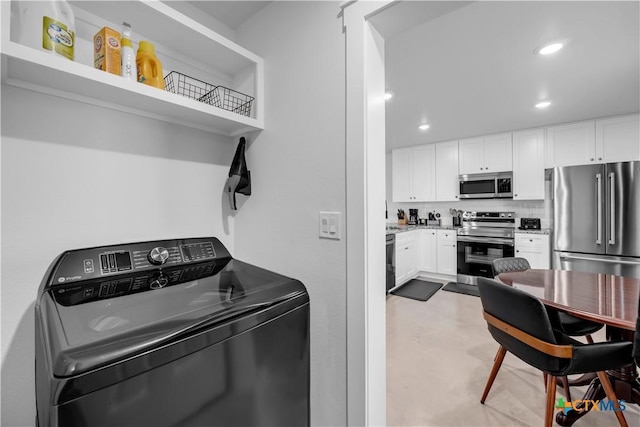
588, 213
536, 172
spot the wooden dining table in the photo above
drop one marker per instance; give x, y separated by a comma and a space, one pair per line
604, 298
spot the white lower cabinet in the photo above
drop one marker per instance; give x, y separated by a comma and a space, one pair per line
428, 253
406, 256
446, 246
535, 248
425, 251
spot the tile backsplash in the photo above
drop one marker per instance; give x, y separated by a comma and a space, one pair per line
542, 209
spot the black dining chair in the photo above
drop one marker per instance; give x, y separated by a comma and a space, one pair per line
565, 323
519, 322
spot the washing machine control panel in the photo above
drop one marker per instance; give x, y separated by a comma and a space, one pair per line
107, 261
132, 283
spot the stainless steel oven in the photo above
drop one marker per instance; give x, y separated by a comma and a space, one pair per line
484, 236
486, 186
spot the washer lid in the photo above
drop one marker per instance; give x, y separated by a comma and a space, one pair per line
95, 323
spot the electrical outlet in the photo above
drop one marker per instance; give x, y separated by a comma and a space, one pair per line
329, 225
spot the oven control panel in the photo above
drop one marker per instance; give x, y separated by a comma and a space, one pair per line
116, 260
491, 215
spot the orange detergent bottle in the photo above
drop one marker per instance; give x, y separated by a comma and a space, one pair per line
149, 66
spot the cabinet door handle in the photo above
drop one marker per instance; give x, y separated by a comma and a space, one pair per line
599, 158
515, 195
592, 159
517, 251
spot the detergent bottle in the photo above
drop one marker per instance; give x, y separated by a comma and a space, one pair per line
48, 25
128, 58
149, 67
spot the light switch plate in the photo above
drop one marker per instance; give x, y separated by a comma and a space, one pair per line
329, 225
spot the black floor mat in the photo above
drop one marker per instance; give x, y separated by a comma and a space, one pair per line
417, 289
462, 288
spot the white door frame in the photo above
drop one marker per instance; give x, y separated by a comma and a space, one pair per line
365, 191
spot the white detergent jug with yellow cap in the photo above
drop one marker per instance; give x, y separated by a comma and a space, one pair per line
47, 25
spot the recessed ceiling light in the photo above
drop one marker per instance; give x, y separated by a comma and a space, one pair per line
388, 95
549, 48
543, 104
424, 126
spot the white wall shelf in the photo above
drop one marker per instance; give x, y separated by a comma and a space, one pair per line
182, 45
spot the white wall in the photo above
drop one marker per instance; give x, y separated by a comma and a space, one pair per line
76, 175
298, 169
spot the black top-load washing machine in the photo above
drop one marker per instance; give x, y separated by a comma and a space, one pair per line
169, 333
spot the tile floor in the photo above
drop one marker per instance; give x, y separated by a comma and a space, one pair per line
439, 354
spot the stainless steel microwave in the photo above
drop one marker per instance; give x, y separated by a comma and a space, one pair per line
486, 186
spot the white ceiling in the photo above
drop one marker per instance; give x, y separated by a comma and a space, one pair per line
469, 69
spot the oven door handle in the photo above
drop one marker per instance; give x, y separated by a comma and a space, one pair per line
508, 242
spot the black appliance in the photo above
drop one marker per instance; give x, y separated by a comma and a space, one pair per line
486, 186
484, 236
391, 261
529, 223
413, 217
169, 333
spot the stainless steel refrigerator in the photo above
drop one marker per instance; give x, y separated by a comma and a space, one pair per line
597, 218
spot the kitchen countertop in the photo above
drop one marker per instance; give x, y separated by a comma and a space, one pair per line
401, 228
395, 228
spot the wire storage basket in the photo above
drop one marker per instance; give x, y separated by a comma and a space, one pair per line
184, 85
229, 99
217, 96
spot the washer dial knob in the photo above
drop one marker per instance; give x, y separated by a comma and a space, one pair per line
158, 255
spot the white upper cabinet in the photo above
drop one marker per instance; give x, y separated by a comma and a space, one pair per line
471, 155
528, 165
497, 153
401, 175
412, 174
446, 171
486, 154
618, 139
570, 144
614, 139
182, 45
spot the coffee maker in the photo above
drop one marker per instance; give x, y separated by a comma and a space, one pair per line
413, 217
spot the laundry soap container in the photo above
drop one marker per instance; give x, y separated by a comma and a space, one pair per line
149, 66
48, 25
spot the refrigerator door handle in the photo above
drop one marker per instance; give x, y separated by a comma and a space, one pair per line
610, 261
599, 209
612, 207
